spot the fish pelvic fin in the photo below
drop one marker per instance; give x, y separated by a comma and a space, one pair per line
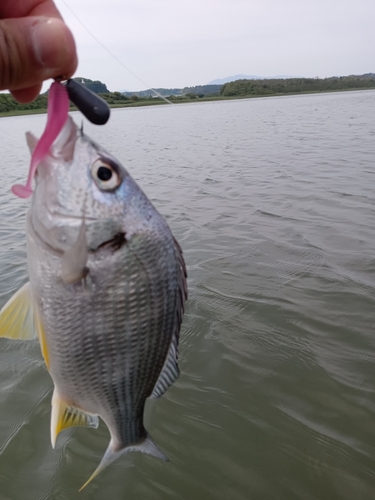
147, 446
65, 415
20, 319
17, 316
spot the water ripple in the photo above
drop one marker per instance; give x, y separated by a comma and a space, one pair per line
273, 202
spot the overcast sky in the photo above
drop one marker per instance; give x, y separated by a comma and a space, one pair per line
178, 43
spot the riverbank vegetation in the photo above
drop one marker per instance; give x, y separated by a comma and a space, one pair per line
232, 90
242, 88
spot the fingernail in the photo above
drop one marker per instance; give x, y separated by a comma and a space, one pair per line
49, 42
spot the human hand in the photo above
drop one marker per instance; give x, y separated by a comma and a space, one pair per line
35, 45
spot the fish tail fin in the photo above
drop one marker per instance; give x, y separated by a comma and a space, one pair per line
147, 446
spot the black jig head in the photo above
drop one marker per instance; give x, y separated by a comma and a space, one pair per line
90, 104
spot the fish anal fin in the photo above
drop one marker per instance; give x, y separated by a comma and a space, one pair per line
17, 316
65, 415
146, 446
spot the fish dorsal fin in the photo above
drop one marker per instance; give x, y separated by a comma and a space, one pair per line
17, 317
64, 416
170, 370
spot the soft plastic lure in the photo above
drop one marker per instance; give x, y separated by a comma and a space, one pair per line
91, 105
57, 114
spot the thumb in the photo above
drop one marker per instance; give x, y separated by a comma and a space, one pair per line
33, 49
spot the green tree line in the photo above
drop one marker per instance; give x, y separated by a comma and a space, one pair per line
7, 103
295, 85
238, 88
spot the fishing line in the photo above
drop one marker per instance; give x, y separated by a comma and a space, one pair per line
114, 56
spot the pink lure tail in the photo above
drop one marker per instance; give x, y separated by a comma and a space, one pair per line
57, 114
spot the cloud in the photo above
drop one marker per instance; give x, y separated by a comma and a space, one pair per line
173, 43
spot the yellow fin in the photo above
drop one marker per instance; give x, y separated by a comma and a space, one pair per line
65, 415
20, 319
17, 316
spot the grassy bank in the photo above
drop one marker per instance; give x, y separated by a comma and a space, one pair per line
181, 100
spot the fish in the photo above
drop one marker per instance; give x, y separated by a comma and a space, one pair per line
106, 293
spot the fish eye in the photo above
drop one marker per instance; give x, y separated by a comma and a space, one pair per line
105, 175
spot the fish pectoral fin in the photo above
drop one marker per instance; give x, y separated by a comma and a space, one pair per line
73, 265
19, 317
147, 446
65, 415
32, 141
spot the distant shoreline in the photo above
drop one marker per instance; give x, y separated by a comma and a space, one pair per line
158, 101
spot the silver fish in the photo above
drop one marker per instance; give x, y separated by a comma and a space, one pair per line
106, 293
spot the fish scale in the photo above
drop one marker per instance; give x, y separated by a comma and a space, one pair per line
107, 292
115, 348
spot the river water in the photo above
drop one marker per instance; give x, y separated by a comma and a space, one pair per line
273, 203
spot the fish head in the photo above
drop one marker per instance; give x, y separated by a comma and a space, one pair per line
80, 184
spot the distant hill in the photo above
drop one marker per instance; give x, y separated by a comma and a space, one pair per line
198, 90
151, 93
202, 90
95, 86
221, 81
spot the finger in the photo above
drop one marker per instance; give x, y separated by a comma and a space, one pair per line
34, 49
27, 95
12, 8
